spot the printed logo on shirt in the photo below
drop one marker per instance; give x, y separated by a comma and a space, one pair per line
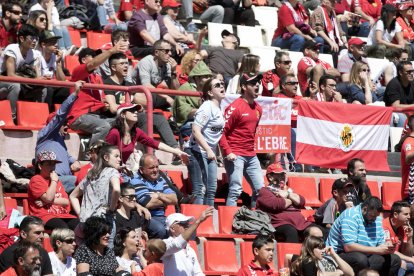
407, 147
227, 115
217, 129
245, 114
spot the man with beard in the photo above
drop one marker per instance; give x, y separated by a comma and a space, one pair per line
27, 260
359, 239
358, 174
11, 16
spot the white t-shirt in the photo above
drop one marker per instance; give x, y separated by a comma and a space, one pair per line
48, 68
61, 269
33, 57
126, 264
387, 36
209, 118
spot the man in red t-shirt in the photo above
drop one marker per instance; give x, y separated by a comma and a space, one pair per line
86, 113
270, 81
11, 15
370, 12
128, 7
263, 250
311, 68
241, 119
407, 163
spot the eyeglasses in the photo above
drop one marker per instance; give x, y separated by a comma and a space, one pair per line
32, 38
42, 19
166, 51
218, 85
130, 197
410, 72
365, 70
133, 110
292, 83
16, 12
331, 85
157, 1
69, 241
286, 62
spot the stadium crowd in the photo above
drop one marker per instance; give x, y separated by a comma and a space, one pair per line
108, 216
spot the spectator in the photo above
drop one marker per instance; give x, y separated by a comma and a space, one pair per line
358, 174
405, 15
52, 138
145, 27
238, 12
360, 86
355, 53
38, 19
263, 250
327, 90
156, 248
316, 259
63, 244
311, 68
47, 197
92, 153
170, 11
11, 60
26, 260
282, 205
126, 215
399, 92
369, 11
100, 190
158, 70
399, 232
128, 250
11, 16
95, 256
153, 192
125, 133
185, 107
30, 230
86, 113
250, 65
270, 81
407, 163
188, 62
206, 133
241, 120
331, 209
357, 236
127, 9
292, 28
209, 10
99, 11
226, 59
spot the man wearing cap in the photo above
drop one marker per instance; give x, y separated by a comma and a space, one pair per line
87, 111
11, 16
331, 209
311, 68
270, 81
52, 138
241, 119
225, 60
355, 53
282, 204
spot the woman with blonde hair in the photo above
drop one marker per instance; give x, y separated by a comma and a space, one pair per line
188, 62
250, 64
361, 88
63, 244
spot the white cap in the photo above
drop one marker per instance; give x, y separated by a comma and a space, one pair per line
177, 217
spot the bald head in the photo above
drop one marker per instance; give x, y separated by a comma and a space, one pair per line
149, 167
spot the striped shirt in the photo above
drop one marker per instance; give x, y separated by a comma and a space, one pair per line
350, 228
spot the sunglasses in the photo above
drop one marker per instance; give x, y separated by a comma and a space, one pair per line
166, 51
130, 197
286, 62
69, 241
218, 85
292, 83
409, 72
42, 19
366, 70
16, 12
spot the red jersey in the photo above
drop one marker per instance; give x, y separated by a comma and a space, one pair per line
390, 233
270, 81
370, 8
88, 100
252, 269
241, 120
9, 272
129, 5
295, 108
303, 65
407, 169
285, 18
7, 36
37, 187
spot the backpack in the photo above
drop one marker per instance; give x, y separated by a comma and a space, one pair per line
74, 10
247, 221
20, 171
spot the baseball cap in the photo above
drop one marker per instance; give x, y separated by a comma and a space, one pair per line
275, 168
341, 183
126, 106
226, 33
88, 52
310, 44
170, 4
250, 78
177, 217
356, 41
47, 155
404, 6
46, 36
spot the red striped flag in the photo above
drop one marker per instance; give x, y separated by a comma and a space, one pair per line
330, 134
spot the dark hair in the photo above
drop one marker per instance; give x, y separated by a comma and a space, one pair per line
400, 66
384, 13
126, 186
26, 223
372, 203
119, 240
8, 6
283, 79
26, 30
398, 205
157, 44
395, 53
261, 240
324, 79
351, 165
307, 255
279, 55
119, 124
22, 248
118, 34
100, 162
33, 15
94, 228
206, 88
410, 122
116, 56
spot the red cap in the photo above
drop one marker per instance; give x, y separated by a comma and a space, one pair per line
126, 106
356, 41
170, 3
404, 6
275, 168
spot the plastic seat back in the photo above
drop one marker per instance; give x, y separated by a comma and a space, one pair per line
325, 188
194, 210
284, 248
391, 192
306, 187
31, 114
226, 216
97, 40
220, 256
5, 114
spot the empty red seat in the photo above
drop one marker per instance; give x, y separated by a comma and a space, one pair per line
170, 209
75, 37
6, 119
325, 188
373, 186
391, 192
178, 179
32, 115
284, 248
97, 40
205, 228
220, 257
226, 216
306, 187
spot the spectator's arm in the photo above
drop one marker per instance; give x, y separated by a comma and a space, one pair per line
193, 227
116, 191
380, 40
147, 37
399, 105
82, 267
168, 199
111, 101
175, 34
10, 66
268, 202
60, 75
120, 46
74, 198
333, 72
409, 157
358, 10
345, 77
297, 200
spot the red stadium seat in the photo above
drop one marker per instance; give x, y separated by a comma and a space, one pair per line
178, 179
75, 37
308, 214
26, 112
373, 186
71, 62
325, 188
306, 187
220, 257
46, 245
170, 209
97, 40
207, 227
391, 192
226, 216
283, 248
6, 119
10, 203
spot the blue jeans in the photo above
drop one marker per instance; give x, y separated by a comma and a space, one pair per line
203, 174
364, 29
410, 268
295, 43
156, 228
65, 42
249, 167
68, 182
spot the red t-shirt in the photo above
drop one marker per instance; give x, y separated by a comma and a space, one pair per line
390, 233
37, 187
406, 148
285, 18
295, 108
370, 8
7, 37
81, 174
88, 100
129, 5
9, 272
241, 120
303, 65
252, 269
270, 82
